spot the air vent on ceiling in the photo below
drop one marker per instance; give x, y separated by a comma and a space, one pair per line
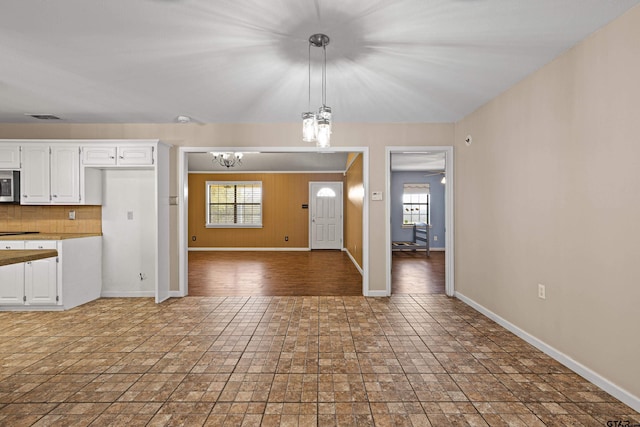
43, 116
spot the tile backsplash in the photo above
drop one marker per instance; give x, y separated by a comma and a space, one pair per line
50, 219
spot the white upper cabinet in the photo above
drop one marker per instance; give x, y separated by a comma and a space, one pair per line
134, 156
34, 180
99, 156
50, 174
65, 174
9, 156
117, 156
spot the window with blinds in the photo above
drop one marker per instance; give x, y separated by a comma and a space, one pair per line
234, 204
415, 204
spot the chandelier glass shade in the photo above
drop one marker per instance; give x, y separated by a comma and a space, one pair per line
316, 127
227, 160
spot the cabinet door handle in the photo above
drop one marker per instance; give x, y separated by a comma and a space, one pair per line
112, 157
40, 247
55, 195
7, 247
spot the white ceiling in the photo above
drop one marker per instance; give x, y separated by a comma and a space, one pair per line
273, 162
312, 162
132, 61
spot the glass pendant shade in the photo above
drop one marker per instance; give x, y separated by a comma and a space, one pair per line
324, 133
317, 127
324, 112
309, 127
444, 180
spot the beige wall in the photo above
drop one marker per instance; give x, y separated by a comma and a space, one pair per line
549, 193
282, 213
375, 136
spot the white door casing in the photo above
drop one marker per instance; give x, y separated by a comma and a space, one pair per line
325, 215
449, 211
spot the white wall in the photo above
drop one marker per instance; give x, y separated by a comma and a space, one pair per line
128, 245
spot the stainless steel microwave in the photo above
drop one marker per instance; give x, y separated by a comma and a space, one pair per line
9, 187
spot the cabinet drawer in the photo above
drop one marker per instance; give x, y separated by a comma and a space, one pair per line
40, 244
11, 244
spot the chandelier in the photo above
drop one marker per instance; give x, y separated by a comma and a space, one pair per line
227, 160
316, 127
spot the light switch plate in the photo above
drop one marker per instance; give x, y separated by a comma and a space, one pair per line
376, 195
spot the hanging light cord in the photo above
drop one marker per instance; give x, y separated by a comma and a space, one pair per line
309, 99
324, 76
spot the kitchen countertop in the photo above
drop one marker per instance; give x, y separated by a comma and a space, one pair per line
49, 236
15, 256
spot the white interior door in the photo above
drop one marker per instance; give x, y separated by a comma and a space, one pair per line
326, 215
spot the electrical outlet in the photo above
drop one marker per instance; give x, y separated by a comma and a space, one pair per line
72, 215
193, 238
286, 238
435, 238
542, 292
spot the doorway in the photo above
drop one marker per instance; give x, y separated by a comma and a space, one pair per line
419, 185
312, 157
325, 221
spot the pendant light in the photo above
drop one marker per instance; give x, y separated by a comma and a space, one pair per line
316, 127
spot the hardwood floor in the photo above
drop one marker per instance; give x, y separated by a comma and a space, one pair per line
241, 273
319, 273
415, 273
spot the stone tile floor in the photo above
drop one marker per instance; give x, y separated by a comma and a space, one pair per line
407, 361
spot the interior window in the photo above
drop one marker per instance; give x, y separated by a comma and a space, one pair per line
415, 204
234, 204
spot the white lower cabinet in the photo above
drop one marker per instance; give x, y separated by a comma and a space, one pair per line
12, 277
41, 276
12, 284
32, 282
72, 278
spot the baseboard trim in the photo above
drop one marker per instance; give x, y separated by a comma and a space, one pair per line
619, 393
176, 294
353, 260
376, 294
32, 308
247, 249
128, 294
423, 249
